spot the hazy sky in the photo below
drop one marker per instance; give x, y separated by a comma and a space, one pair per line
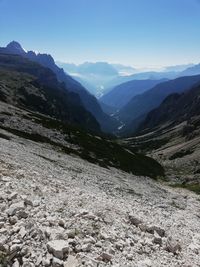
135, 32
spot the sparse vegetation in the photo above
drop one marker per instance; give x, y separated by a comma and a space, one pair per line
3, 259
96, 149
180, 154
144, 146
195, 187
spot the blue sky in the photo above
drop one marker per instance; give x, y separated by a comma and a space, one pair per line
134, 32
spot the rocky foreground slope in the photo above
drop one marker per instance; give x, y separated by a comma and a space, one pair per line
59, 210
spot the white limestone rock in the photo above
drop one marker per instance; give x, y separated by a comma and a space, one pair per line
59, 248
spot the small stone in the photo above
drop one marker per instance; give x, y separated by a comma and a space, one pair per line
71, 233
135, 221
89, 240
2, 219
104, 236
15, 248
86, 247
129, 257
16, 263
83, 212
21, 214
90, 216
13, 220
28, 201
111, 251
58, 248
152, 229
28, 264
119, 245
46, 262
105, 256
143, 227
39, 260
36, 203
99, 244
15, 207
12, 196
3, 231
61, 223
195, 248
157, 239
3, 240
25, 251
173, 246
71, 262
57, 262
22, 232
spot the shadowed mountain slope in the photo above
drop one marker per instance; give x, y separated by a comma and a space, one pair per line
135, 111
88, 100
28, 84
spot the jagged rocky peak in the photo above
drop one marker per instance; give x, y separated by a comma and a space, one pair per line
15, 47
46, 59
31, 53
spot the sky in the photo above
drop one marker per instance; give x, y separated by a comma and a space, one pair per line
140, 33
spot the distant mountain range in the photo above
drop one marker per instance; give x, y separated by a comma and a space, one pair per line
98, 76
101, 77
132, 114
88, 100
194, 70
178, 68
120, 95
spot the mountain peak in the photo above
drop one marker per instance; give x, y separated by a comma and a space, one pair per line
15, 47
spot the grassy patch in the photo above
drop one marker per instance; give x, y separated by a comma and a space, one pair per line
149, 145
195, 187
3, 260
180, 154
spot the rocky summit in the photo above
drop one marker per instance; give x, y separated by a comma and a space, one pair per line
59, 210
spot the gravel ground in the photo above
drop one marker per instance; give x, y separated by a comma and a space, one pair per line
59, 210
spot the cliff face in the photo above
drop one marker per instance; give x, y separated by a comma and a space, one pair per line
28, 84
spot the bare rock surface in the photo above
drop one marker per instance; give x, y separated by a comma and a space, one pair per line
59, 210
